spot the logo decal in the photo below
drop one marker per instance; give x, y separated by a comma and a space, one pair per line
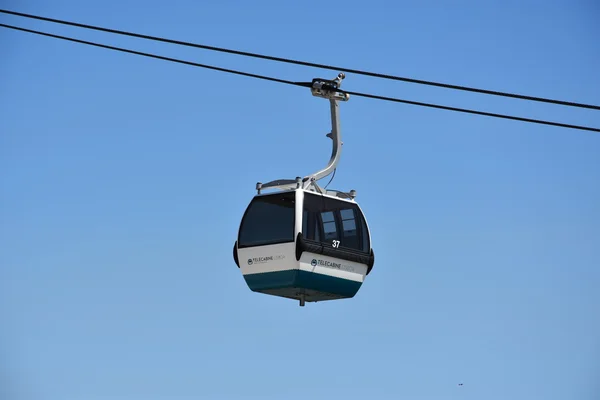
262, 260
329, 264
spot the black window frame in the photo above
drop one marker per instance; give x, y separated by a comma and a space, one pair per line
292, 234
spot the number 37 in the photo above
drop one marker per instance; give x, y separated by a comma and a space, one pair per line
336, 243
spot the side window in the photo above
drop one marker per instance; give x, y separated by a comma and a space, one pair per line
329, 227
366, 245
315, 227
310, 226
348, 221
350, 233
305, 223
268, 219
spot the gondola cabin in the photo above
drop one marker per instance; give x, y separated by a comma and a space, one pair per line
304, 245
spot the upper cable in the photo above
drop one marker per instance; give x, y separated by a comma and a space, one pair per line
308, 64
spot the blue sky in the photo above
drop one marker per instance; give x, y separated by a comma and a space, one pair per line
123, 180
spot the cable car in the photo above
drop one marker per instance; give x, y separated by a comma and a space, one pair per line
304, 242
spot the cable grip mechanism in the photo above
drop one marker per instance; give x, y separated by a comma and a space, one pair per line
329, 89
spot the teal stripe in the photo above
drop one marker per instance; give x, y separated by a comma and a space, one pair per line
302, 280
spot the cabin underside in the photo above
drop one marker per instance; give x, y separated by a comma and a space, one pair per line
294, 283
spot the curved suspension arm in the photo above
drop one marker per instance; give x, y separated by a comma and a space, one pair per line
336, 138
328, 89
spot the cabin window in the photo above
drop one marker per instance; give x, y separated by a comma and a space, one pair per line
310, 226
329, 225
268, 220
349, 232
336, 220
366, 244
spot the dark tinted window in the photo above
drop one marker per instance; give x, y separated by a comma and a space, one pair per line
310, 226
329, 225
269, 219
366, 243
336, 220
349, 229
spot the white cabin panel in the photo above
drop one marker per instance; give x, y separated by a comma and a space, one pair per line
335, 267
270, 258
